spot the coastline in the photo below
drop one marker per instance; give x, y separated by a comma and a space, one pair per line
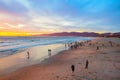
19, 60
104, 64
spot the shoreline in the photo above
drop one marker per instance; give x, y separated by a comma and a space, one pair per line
11, 47
52, 67
19, 60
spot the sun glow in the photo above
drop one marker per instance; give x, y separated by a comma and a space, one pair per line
13, 34
21, 33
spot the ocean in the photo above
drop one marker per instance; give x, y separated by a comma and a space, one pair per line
8, 44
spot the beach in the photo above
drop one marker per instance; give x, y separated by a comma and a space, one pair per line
104, 64
16, 61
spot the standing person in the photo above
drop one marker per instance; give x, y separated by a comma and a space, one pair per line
86, 66
97, 47
111, 43
65, 45
28, 55
49, 52
72, 68
103, 45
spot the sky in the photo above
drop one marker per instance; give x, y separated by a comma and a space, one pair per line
27, 17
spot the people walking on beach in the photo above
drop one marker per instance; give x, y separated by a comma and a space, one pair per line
72, 68
86, 65
28, 55
49, 52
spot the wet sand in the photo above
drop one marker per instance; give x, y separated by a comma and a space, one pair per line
104, 64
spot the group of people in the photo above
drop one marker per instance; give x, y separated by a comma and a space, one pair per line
75, 45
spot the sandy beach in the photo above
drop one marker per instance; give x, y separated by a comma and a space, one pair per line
104, 64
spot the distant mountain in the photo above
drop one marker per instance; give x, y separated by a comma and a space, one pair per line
83, 34
111, 34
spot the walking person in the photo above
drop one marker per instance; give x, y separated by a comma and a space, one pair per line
111, 43
49, 52
65, 45
28, 55
72, 68
86, 65
97, 47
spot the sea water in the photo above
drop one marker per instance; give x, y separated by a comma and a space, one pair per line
10, 45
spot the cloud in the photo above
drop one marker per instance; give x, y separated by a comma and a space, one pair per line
60, 15
15, 26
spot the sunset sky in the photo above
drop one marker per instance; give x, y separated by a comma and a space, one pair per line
27, 17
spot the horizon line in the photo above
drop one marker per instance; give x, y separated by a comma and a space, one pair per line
7, 34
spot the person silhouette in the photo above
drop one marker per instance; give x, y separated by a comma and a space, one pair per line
28, 55
72, 68
86, 66
97, 47
49, 52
